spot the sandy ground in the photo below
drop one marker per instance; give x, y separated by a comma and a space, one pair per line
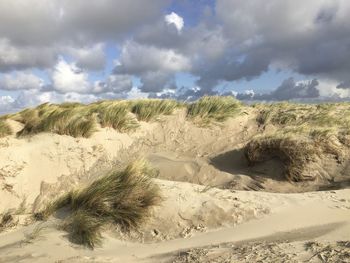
215, 208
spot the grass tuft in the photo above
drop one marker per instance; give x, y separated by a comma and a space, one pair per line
149, 109
5, 129
216, 108
72, 121
7, 220
84, 229
122, 198
295, 153
117, 116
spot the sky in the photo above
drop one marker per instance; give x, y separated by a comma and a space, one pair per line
276, 50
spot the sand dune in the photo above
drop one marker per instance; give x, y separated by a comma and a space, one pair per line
215, 206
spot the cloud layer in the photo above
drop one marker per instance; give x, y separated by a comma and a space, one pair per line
59, 50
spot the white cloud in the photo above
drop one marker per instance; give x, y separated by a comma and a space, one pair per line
136, 58
328, 88
117, 84
6, 104
176, 20
20, 80
156, 67
67, 77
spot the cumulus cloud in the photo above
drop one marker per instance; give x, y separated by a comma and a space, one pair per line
13, 57
311, 38
20, 81
34, 32
117, 84
56, 20
89, 58
67, 77
6, 104
344, 85
136, 59
155, 66
176, 20
288, 90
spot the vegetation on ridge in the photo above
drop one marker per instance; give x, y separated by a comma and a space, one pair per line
79, 120
218, 109
301, 134
148, 109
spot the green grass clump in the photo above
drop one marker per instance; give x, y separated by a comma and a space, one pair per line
295, 152
325, 115
122, 198
216, 108
84, 229
5, 129
149, 109
72, 121
116, 116
79, 120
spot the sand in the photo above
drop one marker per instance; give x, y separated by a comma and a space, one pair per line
215, 207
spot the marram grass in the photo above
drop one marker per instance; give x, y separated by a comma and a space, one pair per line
213, 109
117, 116
149, 109
79, 120
64, 121
123, 198
5, 129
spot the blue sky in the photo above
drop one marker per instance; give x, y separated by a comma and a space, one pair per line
73, 50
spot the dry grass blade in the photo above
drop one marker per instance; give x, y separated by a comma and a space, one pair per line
34, 235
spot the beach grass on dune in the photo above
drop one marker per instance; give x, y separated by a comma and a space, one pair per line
295, 152
149, 109
316, 115
5, 129
117, 116
123, 198
73, 121
80, 120
213, 109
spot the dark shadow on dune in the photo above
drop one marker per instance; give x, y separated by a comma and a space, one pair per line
235, 162
335, 185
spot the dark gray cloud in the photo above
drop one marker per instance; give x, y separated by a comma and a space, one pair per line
33, 32
344, 85
38, 22
288, 90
